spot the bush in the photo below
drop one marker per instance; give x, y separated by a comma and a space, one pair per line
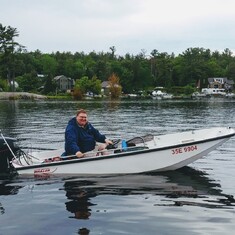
188, 90
77, 94
178, 90
3, 85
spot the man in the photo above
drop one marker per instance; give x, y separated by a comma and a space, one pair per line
81, 136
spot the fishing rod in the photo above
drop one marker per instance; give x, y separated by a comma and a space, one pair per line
7, 144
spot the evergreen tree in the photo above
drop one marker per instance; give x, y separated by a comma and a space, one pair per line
8, 49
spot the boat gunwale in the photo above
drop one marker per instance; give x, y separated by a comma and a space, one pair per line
122, 154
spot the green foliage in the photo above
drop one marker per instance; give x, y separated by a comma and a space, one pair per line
50, 86
49, 65
134, 72
85, 85
3, 85
8, 51
181, 90
95, 85
29, 82
188, 90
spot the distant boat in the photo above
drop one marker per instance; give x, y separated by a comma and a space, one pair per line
214, 91
199, 95
230, 95
132, 95
161, 95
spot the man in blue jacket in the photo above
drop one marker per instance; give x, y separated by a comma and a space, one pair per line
81, 136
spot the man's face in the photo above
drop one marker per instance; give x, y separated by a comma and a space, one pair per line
82, 119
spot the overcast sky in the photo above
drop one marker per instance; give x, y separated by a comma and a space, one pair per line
129, 25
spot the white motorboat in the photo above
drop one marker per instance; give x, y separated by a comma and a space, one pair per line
230, 95
214, 91
161, 95
141, 154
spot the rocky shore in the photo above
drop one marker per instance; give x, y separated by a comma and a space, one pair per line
20, 95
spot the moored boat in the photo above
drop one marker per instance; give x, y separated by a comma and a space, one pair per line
216, 92
230, 95
161, 95
141, 154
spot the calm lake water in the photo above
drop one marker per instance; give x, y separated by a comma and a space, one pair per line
197, 199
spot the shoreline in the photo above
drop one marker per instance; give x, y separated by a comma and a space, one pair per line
20, 95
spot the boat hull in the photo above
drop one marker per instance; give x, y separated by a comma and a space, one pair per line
158, 157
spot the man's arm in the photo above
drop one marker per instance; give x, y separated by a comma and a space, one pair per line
71, 145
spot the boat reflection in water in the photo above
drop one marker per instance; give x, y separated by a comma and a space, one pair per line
175, 188
101, 198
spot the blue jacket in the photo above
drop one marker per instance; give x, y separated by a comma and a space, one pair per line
81, 139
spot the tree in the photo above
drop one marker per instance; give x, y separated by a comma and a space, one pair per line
113, 50
231, 71
28, 82
49, 65
114, 86
84, 85
3, 85
194, 65
95, 85
50, 85
8, 48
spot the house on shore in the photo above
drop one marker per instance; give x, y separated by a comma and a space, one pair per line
64, 84
105, 88
221, 83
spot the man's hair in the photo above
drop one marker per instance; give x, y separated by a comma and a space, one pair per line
81, 111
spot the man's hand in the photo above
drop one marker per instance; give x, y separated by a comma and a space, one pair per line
107, 141
79, 154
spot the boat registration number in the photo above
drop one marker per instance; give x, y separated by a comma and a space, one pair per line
44, 171
184, 149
